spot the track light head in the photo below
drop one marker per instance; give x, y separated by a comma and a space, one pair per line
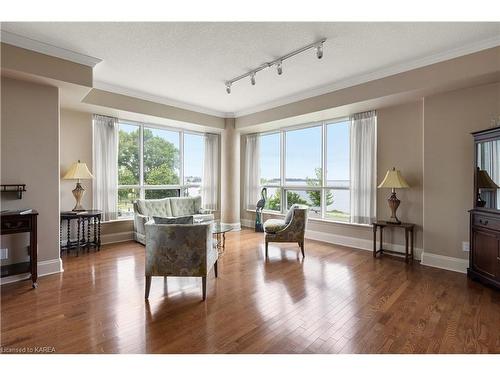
319, 51
228, 87
252, 79
279, 68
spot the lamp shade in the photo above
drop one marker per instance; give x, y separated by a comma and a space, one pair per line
394, 180
484, 180
78, 171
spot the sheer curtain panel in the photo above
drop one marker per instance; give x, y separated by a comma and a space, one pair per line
252, 170
210, 179
105, 165
363, 167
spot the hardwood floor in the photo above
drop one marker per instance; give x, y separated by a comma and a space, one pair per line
336, 300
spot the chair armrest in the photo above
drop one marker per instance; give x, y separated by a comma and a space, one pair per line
139, 222
204, 211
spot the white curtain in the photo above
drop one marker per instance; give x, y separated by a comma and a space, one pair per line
105, 165
363, 167
210, 180
252, 170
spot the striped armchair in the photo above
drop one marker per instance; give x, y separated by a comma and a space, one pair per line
291, 229
179, 250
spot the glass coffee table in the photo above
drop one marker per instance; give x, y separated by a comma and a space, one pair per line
219, 231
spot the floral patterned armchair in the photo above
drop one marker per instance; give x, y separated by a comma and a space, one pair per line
291, 229
179, 250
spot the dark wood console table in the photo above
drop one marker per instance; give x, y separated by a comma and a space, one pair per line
408, 228
87, 222
20, 222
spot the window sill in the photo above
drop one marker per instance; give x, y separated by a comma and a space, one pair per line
320, 220
119, 220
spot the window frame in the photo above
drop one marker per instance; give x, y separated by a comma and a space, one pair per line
323, 188
182, 187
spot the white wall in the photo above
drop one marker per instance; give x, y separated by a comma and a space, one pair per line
76, 144
30, 155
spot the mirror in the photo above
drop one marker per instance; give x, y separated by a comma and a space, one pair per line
488, 175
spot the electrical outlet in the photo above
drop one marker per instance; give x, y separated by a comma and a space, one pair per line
4, 254
465, 246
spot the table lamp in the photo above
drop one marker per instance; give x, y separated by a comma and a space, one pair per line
484, 182
394, 180
78, 171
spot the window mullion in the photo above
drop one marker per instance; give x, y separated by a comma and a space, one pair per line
323, 169
282, 171
181, 161
141, 161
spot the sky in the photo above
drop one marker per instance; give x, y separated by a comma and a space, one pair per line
304, 152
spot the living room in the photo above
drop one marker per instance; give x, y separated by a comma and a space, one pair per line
271, 188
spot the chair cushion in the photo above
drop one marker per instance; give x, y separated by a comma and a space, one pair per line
182, 206
173, 220
274, 225
203, 217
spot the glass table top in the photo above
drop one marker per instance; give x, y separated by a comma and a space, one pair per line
220, 228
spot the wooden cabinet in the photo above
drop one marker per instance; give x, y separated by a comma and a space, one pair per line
484, 257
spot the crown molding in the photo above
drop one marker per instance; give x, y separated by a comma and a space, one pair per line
374, 75
48, 49
157, 99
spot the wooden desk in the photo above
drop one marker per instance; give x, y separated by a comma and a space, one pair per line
408, 228
84, 239
15, 222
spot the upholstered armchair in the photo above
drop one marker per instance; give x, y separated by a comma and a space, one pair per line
291, 229
145, 209
179, 250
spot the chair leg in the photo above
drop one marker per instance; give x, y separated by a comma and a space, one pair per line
204, 287
301, 244
267, 243
148, 286
215, 269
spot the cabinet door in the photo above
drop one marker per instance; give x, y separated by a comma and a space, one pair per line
486, 252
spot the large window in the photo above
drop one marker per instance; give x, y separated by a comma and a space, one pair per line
155, 162
309, 165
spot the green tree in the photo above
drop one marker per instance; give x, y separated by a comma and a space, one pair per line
128, 157
161, 160
274, 201
294, 198
315, 196
161, 163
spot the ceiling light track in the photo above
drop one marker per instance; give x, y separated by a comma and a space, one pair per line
277, 62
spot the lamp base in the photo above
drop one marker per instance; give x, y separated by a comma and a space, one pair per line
78, 193
394, 203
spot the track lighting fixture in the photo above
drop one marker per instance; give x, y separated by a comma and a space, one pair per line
279, 68
319, 50
278, 63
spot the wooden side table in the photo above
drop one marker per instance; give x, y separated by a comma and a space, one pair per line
19, 222
409, 232
85, 240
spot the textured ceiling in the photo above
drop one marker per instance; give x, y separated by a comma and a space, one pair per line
189, 62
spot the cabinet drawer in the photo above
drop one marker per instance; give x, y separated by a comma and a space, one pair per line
16, 225
486, 222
